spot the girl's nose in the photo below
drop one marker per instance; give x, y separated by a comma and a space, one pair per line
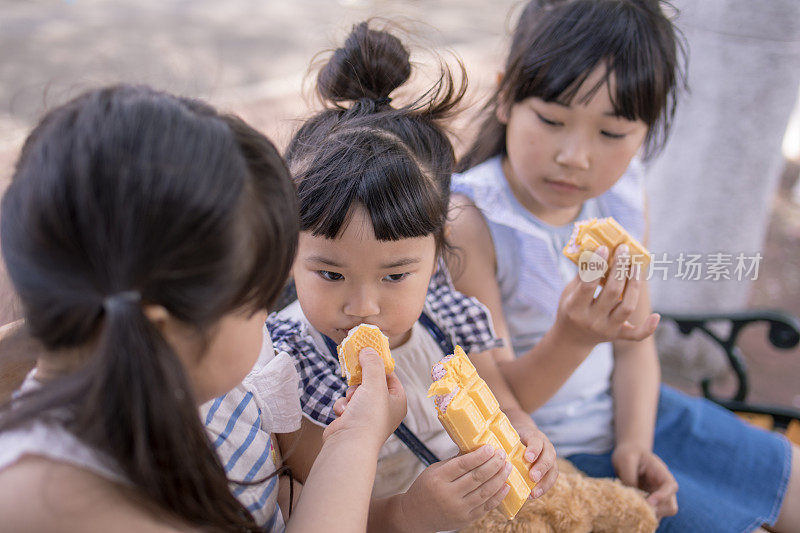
574, 152
362, 303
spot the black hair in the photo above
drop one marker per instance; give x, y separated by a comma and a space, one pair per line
557, 44
126, 197
395, 162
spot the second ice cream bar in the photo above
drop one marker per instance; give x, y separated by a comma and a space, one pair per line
589, 235
471, 415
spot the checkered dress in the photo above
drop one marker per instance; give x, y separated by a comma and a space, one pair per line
465, 320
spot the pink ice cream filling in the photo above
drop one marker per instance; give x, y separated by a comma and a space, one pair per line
572, 245
442, 401
438, 372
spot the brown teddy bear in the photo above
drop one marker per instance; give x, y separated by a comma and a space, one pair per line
576, 504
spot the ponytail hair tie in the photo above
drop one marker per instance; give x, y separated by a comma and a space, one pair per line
121, 298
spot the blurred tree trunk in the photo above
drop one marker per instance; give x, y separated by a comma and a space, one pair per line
710, 191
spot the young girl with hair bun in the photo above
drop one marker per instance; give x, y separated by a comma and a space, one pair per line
373, 182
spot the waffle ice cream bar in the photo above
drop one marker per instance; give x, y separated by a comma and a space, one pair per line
358, 338
471, 415
589, 235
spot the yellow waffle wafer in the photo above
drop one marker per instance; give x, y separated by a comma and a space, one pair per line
589, 235
358, 338
471, 415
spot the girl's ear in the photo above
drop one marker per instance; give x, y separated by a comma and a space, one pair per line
158, 315
184, 340
166, 324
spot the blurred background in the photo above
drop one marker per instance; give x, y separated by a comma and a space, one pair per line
251, 57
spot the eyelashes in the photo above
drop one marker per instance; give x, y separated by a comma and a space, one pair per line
328, 275
555, 124
548, 121
612, 135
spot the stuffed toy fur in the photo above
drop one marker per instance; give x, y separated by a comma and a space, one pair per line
576, 504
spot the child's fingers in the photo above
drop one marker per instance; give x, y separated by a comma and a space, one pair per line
667, 489
349, 393
534, 448
629, 332
584, 290
658, 480
546, 482
487, 504
463, 464
482, 473
627, 305
489, 487
394, 385
612, 292
544, 463
667, 506
664, 501
373, 372
339, 406
397, 398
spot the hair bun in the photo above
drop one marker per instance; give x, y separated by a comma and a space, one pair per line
371, 64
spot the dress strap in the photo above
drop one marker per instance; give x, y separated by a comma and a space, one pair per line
444, 342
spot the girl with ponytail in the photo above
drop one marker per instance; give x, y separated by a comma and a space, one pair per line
373, 183
145, 235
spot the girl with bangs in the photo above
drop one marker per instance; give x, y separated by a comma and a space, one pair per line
373, 182
588, 85
146, 236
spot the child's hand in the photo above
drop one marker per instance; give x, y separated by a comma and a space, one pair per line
376, 406
456, 492
541, 452
593, 320
641, 468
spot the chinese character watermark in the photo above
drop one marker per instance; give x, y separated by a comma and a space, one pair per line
717, 266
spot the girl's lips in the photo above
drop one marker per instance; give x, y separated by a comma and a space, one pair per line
344, 332
341, 334
563, 186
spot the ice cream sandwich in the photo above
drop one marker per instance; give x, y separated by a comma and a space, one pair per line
589, 235
358, 338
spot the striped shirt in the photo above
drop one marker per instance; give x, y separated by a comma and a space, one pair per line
241, 426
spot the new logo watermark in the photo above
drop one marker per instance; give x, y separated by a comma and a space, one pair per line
591, 266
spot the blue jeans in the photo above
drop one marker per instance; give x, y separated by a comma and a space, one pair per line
731, 476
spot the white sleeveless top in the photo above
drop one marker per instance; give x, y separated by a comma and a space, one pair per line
51, 440
398, 467
532, 273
